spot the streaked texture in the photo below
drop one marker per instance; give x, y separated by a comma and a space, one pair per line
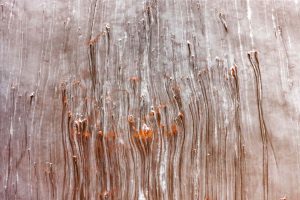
129, 99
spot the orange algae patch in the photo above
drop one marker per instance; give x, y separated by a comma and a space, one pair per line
145, 133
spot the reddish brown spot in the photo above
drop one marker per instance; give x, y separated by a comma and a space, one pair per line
131, 122
130, 119
180, 115
93, 41
111, 135
152, 113
86, 134
173, 129
69, 114
100, 133
134, 79
233, 71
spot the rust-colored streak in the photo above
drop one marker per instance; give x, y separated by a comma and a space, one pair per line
149, 99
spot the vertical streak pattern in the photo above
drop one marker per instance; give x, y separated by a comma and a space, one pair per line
124, 99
